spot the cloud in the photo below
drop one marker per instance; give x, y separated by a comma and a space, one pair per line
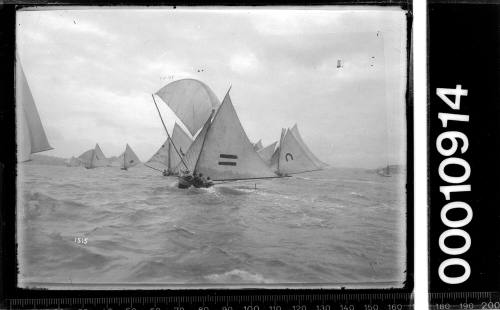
92, 73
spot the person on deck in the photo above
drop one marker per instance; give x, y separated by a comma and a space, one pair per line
165, 173
198, 180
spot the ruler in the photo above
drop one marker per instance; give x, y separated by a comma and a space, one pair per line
214, 301
464, 300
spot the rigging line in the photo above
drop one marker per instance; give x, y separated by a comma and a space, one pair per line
175, 148
153, 168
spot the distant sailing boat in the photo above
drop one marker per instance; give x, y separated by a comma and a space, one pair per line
93, 158
385, 172
166, 159
32, 138
258, 145
130, 159
293, 156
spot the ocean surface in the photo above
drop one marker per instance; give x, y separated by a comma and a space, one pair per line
336, 227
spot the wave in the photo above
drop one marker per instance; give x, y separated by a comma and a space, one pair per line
181, 231
234, 190
237, 276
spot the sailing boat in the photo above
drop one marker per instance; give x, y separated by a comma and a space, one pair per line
223, 152
267, 152
293, 156
93, 158
32, 138
384, 172
130, 159
166, 159
258, 146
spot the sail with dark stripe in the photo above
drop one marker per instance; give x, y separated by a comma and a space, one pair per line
227, 153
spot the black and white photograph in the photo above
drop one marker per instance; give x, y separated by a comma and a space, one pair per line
219, 147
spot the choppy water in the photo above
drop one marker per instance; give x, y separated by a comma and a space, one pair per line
336, 226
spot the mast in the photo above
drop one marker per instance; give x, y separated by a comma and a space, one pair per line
165, 127
169, 151
92, 158
279, 151
203, 143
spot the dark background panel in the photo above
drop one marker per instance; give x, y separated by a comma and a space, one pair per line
464, 48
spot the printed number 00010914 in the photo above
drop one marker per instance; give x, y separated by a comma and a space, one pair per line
457, 185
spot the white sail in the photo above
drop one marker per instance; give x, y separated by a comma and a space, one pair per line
296, 134
32, 137
86, 158
98, 158
130, 159
194, 150
159, 161
258, 145
227, 153
191, 100
276, 155
267, 152
293, 158
93, 158
182, 142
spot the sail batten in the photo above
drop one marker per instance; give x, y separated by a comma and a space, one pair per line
191, 100
227, 153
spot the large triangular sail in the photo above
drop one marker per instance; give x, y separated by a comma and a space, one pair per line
227, 153
160, 160
191, 100
130, 159
194, 150
292, 156
267, 152
296, 134
166, 158
32, 137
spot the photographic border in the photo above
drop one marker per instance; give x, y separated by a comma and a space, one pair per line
9, 267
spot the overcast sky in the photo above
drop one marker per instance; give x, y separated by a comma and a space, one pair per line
92, 73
